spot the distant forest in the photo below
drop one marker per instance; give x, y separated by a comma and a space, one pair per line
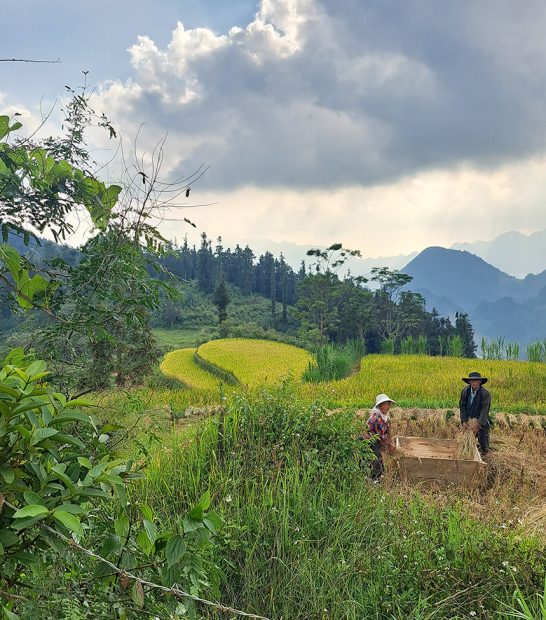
310, 306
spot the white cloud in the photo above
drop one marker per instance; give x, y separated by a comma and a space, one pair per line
431, 208
315, 93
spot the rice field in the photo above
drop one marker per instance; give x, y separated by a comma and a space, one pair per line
412, 380
179, 365
424, 381
256, 362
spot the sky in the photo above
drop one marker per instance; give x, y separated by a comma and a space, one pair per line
387, 125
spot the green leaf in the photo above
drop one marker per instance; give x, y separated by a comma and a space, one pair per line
213, 521
8, 539
42, 433
73, 509
144, 542
71, 522
111, 543
34, 510
147, 512
190, 525
151, 530
85, 462
7, 473
33, 498
26, 522
75, 416
176, 547
8, 615
4, 126
121, 526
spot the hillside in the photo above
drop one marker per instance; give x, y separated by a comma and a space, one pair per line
498, 305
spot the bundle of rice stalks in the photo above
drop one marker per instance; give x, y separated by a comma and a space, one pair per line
467, 446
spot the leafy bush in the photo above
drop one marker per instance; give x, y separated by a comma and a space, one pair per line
55, 465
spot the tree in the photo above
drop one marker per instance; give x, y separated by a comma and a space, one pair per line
464, 329
221, 299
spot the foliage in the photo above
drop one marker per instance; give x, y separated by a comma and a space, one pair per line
305, 531
536, 351
49, 474
221, 299
333, 361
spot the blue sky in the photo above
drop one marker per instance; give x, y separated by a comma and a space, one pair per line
389, 126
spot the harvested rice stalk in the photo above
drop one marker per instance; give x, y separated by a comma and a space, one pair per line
467, 446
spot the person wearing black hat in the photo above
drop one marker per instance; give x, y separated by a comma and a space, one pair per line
474, 405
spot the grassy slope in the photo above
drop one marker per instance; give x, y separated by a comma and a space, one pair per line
255, 362
176, 338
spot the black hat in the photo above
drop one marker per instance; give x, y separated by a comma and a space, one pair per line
475, 375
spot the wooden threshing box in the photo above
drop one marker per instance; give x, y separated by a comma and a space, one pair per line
433, 462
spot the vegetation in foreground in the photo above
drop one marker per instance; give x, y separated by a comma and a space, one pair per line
307, 536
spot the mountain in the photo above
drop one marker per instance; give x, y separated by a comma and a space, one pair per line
498, 305
512, 252
294, 253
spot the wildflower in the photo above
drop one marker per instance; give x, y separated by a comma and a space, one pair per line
228, 499
514, 569
472, 613
505, 563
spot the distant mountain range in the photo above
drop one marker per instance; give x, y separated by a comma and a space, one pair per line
498, 305
513, 253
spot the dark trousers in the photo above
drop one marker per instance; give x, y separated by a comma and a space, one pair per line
376, 466
483, 438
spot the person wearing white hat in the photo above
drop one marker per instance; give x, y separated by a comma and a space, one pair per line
378, 432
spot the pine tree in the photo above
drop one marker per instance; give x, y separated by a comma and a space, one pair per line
221, 299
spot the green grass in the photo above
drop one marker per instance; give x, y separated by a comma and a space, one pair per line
307, 536
334, 361
177, 338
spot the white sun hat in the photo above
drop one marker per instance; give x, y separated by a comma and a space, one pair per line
383, 398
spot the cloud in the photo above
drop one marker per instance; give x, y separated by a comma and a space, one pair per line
325, 94
429, 208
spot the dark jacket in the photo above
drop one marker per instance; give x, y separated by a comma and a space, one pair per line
480, 406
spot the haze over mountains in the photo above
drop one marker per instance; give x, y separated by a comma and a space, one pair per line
498, 305
512, 252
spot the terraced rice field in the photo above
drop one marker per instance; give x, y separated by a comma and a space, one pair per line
255, 362
412, 380
179, 365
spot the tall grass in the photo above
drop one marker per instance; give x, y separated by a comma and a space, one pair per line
536, 351
334, 361
307, 536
